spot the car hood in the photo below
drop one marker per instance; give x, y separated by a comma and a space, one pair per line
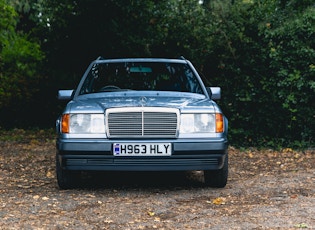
98, 103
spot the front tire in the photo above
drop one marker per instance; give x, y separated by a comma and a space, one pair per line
66, 179
217, 178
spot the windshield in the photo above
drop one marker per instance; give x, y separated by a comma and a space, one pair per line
161, 76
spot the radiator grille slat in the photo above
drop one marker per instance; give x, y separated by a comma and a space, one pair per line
142, 122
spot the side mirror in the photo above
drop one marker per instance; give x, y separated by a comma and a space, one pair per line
214, 92
65, 94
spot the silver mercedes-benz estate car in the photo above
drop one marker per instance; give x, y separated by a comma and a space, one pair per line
141, 114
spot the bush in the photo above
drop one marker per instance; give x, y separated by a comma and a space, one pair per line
263, 57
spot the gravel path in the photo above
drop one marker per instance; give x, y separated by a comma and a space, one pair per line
266, 190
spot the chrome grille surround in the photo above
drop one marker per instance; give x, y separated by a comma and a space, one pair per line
142, 122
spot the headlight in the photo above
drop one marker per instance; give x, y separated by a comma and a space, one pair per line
201, 123
83, 123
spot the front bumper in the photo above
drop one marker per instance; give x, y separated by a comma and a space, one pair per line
96, 154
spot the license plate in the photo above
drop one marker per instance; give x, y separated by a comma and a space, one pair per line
147, 149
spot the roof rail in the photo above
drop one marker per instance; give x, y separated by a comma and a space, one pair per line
100, 58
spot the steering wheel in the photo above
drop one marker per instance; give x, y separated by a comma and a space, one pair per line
109, 88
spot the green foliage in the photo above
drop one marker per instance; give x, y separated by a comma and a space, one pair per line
291, 60
265, 64
19, 60
118, 28
260, 52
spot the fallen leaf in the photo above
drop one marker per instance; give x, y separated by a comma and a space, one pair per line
151, 213
301, 225
50, 174
90, 195
218, 201
108, 221
288, 150
296, 156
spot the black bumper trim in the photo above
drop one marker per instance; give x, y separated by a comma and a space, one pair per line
173, 163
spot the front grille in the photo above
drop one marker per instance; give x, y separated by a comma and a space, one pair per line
142, 122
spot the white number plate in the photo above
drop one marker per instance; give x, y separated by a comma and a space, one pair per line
151, 149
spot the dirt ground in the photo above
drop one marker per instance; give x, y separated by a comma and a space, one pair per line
266, 190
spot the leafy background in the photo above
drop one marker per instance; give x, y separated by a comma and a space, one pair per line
261, 53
